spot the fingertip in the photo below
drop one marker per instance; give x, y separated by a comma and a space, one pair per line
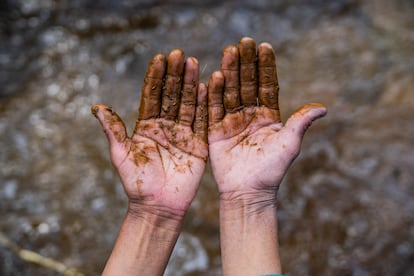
216, 84
98, 109
157, 62
215, 98
216, 76
156, 66
110, 121
314, 110
191, 69
230, 49
159, 57
95, 109
192, 60
303, 117
265, 45
246, 39
177, 52
175, 62
322, 111
230, 60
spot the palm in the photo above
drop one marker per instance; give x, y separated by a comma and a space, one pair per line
254, 155
162, 163
163, 156
250, 149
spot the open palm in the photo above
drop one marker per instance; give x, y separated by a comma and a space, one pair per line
162, 163
250, 149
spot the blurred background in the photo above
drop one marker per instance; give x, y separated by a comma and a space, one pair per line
346, 206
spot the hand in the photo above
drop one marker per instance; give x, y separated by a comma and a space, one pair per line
162, 163
250, 148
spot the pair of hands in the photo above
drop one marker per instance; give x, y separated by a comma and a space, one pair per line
235, 122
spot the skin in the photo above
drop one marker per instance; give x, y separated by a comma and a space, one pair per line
250, 151
160, 164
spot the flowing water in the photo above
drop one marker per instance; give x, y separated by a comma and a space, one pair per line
346, 206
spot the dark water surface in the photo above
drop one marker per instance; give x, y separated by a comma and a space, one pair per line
346, 205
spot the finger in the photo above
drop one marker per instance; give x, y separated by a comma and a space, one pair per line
230, 68
172, 86
111, 123
301, 119
189, 93
201, 116
151, 90
215, 98
248, 76
268, 84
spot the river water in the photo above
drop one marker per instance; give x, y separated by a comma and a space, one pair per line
346, 206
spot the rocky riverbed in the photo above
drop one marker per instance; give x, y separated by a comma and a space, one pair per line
346, 206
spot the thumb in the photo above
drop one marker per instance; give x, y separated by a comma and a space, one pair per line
112, 124
302, 118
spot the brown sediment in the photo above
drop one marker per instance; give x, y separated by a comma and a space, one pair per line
170, 128
225, 131
140, 157
95, 110
268, 82
151, 98
230, 60
230, 69
190, 165
171, 97
188, 102
244, 139
201, 121
145, 126
231, 99
269, 97
173, 82
119, 136
179, 169
116, 125
247, 49
304, 109
139, 187
235, 121
248, 74
151, 90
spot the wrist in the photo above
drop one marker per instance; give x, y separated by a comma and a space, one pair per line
248, 233
156, 216
145, 241
248, 203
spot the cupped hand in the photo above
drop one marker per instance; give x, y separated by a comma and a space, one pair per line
162, 163
250, 148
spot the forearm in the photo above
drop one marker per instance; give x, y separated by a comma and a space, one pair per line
144, 244
248, 230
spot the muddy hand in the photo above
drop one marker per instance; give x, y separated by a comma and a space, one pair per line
250, 149
162, 163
